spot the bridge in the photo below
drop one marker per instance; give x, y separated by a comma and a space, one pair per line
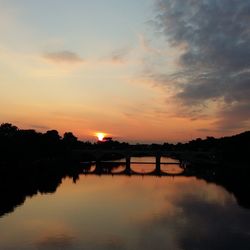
102, 158
186, 158
99, 155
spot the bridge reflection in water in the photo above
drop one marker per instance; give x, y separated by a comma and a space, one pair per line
129, 168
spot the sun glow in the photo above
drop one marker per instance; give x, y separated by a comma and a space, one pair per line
100, 136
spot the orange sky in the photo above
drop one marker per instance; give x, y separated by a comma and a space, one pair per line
97, 66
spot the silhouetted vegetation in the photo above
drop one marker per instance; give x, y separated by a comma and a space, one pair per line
19, 145
33, 162
21, 182
16, 186
227, 150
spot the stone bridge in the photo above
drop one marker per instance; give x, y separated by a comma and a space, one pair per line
100, 156
110, 154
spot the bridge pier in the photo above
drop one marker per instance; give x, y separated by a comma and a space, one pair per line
128, 164
98, 168
158, 163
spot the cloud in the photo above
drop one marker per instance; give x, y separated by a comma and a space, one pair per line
235, 116
215, 63
146, 45
56, 242
117, 56
64, 56
35, 126
192, 225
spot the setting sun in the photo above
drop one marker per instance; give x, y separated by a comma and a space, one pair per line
100, 136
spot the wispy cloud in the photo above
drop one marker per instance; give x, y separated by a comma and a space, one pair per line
117, 56
39, 127
215, 61
56, 242
64, 56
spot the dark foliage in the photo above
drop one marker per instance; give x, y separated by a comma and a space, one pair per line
18, 145
227, 149
37, 162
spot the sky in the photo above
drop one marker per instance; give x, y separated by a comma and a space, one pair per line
139, 71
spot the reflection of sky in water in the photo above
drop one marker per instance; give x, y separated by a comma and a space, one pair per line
142, 168
129, 213
171, 169
118, 169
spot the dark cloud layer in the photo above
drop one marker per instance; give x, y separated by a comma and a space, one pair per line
216, 62
64, 56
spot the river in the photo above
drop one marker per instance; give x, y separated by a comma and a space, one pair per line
137, 212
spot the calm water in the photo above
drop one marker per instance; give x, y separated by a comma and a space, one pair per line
121, 212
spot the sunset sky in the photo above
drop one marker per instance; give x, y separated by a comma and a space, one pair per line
140, 71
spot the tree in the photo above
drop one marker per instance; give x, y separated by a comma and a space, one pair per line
69, 138
52, 135
7, 129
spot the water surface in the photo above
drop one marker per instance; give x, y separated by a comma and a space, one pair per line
129, 212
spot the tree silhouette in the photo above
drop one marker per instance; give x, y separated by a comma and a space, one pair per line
68, 137
52, 135
69, 140
7, 129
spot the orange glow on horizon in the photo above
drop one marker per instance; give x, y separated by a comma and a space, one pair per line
100, 136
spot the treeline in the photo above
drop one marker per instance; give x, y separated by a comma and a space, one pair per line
226, 149
28, 144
